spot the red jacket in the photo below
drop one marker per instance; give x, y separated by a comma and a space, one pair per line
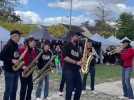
127, 56
27, 56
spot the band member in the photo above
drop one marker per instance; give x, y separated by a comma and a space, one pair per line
26, 83
9, 56
71, 68
91, 67
127, 55
44, 58
62, 82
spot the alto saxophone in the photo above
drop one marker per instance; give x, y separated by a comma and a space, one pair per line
32, 66
86, 60
20, 61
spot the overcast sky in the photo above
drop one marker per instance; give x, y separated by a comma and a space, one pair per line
49, 12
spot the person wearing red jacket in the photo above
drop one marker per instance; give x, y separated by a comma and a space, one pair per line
126, 56
26, 83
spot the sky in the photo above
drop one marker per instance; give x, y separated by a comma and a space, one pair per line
50, 12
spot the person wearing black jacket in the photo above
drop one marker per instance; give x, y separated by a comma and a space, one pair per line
44, 58
9, 55
71, 68
91, 68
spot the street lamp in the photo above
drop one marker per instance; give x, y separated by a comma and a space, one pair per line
71, 6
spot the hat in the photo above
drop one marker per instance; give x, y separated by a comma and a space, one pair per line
15, 32
126, 41
76, 34
47, 42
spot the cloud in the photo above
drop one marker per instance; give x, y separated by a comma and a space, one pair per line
120, 8
29, 17
24, 2
116, 6
76, 20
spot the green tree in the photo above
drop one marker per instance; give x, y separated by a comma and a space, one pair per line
126, 26
57, 30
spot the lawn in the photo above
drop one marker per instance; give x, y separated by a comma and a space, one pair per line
104, 73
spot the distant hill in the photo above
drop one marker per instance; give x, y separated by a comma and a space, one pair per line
24, 28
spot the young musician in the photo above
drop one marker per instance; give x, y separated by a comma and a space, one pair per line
26, 83
127, 55
44, 58
9, 56
71, 68
91, 67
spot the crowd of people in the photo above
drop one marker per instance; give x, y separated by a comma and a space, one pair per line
67, 63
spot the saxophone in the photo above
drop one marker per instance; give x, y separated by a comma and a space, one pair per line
45, 70
20, 61
32, 67
86, 59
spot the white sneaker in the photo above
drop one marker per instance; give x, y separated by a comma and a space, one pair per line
47, 98
61, 93
94, 92
73, 92
38, 99
122, 97
83, 92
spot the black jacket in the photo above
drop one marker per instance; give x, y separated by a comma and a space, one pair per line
9, 52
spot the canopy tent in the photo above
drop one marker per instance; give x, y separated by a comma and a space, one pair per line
112, 40
125, 38
132, 43
97, 37
4, 34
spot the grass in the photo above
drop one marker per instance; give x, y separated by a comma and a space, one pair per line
104, 73
24, 28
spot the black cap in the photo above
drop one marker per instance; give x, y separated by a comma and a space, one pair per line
15, 32
126, 41
47, 42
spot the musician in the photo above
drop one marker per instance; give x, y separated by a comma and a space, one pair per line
126, 56
91, 67
71, 68
44, 58
9, 56
26, 83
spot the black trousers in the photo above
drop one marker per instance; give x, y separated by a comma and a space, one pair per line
62, 83
73, 82
26, 88
92, 78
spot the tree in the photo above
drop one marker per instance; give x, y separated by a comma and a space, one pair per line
126, 25
57, 30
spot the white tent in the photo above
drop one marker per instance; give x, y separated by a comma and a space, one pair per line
132, 43
125, 38
4, 34
97, 37
112, 40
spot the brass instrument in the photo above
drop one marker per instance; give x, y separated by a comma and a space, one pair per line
86, 60
45, 70
32, 66
20, 61
116, 50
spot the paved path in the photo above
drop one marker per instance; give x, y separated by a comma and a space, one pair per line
105, 91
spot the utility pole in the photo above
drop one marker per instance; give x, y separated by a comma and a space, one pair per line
71, 6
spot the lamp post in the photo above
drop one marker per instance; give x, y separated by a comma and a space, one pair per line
70, 22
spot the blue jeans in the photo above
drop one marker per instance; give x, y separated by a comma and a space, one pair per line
73, 82
11, 85
46, 87
127, 88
